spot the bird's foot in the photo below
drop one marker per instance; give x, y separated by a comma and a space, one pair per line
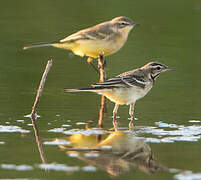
131, 123
133, 119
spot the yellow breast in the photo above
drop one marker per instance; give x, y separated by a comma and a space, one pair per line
93, 48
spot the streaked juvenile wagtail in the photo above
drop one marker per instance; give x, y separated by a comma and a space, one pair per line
128, 87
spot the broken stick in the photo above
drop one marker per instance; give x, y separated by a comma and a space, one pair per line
33, 114
40, 89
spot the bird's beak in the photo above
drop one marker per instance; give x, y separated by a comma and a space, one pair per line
134, 24
169, 69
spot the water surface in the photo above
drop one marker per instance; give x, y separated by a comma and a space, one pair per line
169, 117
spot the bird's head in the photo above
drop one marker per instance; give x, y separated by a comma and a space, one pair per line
154, 69
123, 24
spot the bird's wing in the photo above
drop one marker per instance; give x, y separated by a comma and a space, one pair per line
134, 80
100, 31
128, 80
72, 38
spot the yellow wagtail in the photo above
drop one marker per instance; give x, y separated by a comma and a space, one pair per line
127, 87
105, 38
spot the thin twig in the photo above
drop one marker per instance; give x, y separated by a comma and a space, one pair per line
33, 114
40, 88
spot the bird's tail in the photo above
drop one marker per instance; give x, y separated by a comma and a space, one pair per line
39, 45
82, 90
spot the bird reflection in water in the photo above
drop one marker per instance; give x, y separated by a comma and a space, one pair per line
115, 152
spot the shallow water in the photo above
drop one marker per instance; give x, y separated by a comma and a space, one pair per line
168, 129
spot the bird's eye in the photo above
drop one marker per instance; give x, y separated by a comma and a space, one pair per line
123, 23
158, 68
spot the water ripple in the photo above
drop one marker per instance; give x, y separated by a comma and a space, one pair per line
57, 142
17, 167
188, 176
89, 168
57, 130
11, 129
169, 133
58, 167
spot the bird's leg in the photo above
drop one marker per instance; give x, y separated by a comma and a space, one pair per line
89, 60
131, 113
115, 124
101, 66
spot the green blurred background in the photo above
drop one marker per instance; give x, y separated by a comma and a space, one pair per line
169, 33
